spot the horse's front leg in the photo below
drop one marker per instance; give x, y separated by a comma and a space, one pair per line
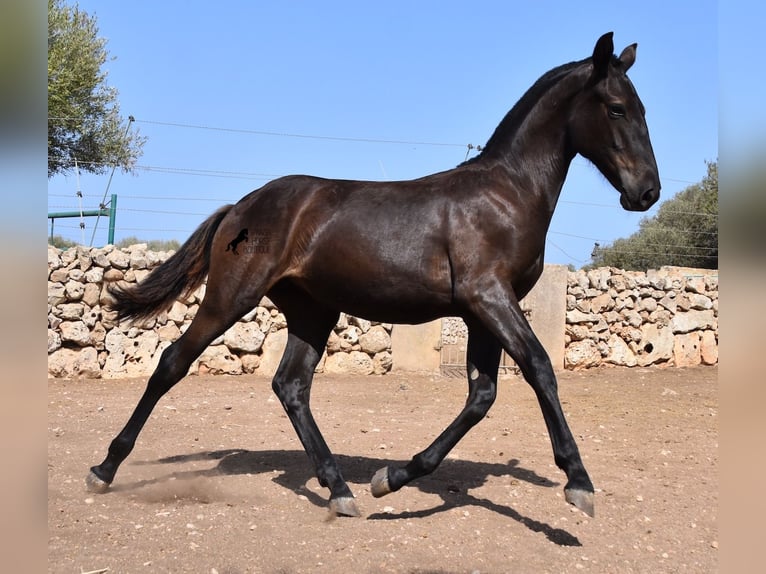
483, 360
500, 311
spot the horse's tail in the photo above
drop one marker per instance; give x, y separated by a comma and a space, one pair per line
179, 275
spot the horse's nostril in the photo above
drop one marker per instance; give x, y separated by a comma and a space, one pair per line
648, 197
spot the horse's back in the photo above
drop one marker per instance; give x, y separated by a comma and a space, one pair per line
376, 249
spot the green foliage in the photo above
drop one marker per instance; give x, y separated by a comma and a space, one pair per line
151, 245
684, 232
84, 120
60, 242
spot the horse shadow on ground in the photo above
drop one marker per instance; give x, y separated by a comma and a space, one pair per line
291, 469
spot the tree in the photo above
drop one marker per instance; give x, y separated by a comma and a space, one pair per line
84, 122
151, 244
684, 232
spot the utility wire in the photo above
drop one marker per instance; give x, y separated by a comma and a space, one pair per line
302, 136
131, 119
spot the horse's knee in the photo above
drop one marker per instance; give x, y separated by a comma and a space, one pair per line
480, 400
292, 393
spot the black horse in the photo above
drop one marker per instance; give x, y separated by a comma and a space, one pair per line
465, 242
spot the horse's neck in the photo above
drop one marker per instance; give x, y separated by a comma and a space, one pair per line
533, 149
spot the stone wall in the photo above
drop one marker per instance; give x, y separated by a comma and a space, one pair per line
84, 339
667, 317
662, 317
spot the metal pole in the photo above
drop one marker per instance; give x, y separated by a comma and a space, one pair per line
112, 217
131, 119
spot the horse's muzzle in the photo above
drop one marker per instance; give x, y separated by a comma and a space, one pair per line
641, 201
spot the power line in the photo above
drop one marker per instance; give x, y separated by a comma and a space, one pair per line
302, 136
268, 176
206, 172
548, 240
290, 135
613, 206
602, 240
233, 200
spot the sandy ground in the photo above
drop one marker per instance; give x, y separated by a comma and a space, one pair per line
218, 482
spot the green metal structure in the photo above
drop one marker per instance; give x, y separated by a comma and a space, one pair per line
109, 210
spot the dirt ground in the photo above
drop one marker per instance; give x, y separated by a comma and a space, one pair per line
218, 482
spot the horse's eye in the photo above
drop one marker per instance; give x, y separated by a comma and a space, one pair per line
616, 111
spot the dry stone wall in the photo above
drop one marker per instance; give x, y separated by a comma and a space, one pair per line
667, 317
85, 340
662, 317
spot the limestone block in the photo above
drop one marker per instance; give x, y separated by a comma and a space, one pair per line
75, 332
700, 302
647, 304
577, 332
382, 362
363, 324
97, 336
91, 294
582, 354
601, 303
142, 348
272, 349
245, 337
59, 275
112, 275
119, 259
74, 290
598, 278
375, 340
632, 318
91, 317
708, 348
334, 343
696, 284
354, 363
577, 316
54, 260
219, 360
250, 363
76, 275
177, 312
54, 341
100, 259
351, 335
70, 311
685, 322
137, 259
620, 353
656, 345
71, 363
686, 350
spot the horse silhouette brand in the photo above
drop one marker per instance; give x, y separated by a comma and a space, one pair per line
232, 246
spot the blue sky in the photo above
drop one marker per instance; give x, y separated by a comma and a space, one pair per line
393, 90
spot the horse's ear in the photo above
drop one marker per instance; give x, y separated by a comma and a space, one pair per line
602, 54
628, 56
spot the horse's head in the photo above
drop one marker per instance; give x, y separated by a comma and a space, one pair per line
607, 126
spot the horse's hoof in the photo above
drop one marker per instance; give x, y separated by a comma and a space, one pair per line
95, 484
582, 499
379, 484
344, 506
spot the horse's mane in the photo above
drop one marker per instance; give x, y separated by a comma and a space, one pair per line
515, 117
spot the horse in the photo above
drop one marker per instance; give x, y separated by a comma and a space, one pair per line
465, 242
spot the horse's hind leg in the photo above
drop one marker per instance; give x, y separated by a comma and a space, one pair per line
483, 360
308, 329
211, 320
